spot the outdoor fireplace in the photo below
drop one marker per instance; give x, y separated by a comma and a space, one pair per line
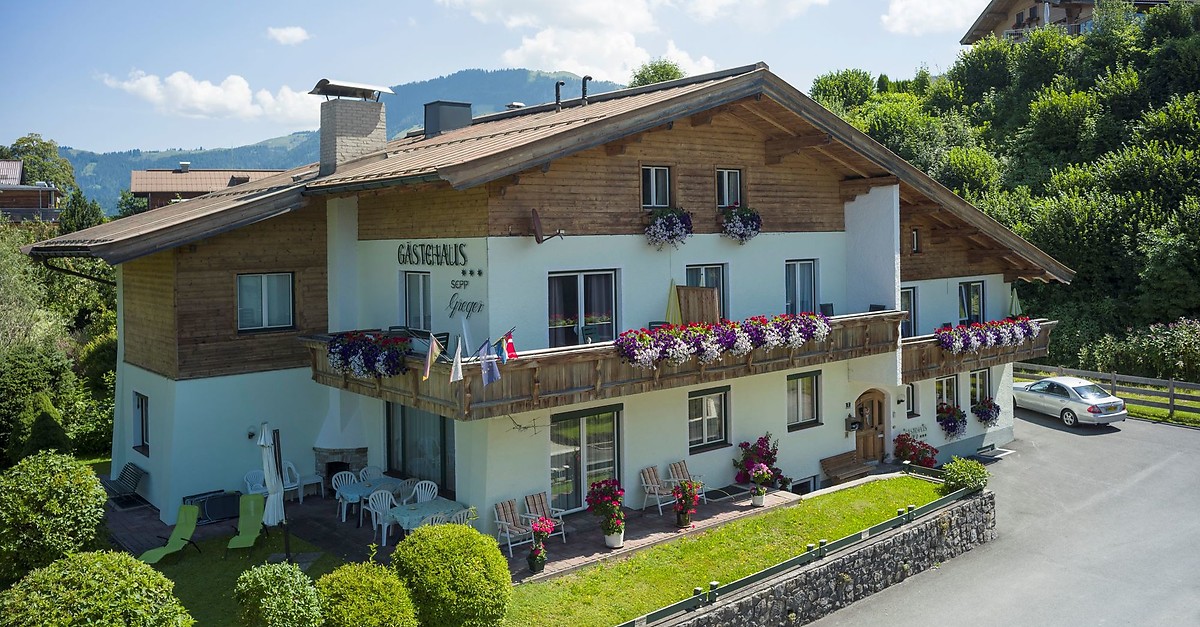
331, 460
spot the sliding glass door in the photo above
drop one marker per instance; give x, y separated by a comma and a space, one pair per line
583, 450
421, 445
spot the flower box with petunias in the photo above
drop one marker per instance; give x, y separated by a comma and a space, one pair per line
952, 420
708, 343
987, 411
976, 336
668, 225
367, 355
740, 223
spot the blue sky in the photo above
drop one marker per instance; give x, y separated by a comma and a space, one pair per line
158, 75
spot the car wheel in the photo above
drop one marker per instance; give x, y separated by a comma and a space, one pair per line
1069, 418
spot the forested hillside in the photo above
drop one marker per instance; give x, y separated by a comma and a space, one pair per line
103, 176
1086, 146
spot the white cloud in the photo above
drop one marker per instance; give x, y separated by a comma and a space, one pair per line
287, 35
920, 17
760, 13
690, 66
181, 94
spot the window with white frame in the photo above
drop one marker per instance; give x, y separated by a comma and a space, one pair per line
418, 303
908, 302
804, 406
910, 400
710, 276
981, 385
946, 389
264, 301
800, 286
141, 421
656, 186
970, 302
707, 414
729, 188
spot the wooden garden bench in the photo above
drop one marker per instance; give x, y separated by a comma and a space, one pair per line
844, 467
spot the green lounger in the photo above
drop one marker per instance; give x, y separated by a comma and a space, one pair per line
250, 522
181, 536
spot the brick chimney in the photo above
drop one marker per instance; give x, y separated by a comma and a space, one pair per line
352, 121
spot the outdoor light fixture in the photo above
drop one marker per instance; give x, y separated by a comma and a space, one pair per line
251, 432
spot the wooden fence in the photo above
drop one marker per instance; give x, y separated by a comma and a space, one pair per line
1178, 395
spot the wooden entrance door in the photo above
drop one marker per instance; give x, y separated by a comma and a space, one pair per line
869, 410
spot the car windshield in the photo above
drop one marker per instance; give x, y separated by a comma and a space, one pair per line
1090, 391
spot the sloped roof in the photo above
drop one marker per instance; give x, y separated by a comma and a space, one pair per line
510, 142
10, 171
177, 181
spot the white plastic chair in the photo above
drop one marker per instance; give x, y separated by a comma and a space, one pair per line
403, 490
291, 480
433, 519
423, 491
369, 473
380, 503
463, 517
256, 482
340, 480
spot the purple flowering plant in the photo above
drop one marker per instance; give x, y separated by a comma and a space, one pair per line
979, 335
987, 411
669, 225
367, 355
762, 452
740, 223
952, 420
707, 343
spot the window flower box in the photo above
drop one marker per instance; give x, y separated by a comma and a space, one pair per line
740, 223
708, 343
979, 335
952, 420
669, 225
368, 355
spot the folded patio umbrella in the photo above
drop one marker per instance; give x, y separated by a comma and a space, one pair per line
674, 314
273, 513
1014, 307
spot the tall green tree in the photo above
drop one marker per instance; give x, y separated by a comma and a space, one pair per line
42, 162
128, 204
844, 88
79, 213
656, 71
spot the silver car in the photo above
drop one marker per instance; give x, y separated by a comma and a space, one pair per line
1072, 399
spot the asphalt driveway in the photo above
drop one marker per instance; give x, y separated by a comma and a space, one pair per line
1095, 525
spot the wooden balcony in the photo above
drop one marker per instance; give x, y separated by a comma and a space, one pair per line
924, 359
541, 379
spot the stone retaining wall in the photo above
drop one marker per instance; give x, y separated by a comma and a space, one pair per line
809, 592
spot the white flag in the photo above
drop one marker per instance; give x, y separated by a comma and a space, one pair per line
456, 369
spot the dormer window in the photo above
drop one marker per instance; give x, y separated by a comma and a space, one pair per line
729, 188
656, 186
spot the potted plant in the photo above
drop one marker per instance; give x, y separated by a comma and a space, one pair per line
765, 452
542, 528
987, 411
952, 420
669, 225
740, 223
910, 449
604, 500
687, 496
761, 475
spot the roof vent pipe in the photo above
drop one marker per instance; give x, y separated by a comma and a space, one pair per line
558, 95
184, 166
584, 97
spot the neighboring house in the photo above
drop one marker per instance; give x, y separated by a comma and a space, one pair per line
223, 300
20, 203
1012, 19
163, 187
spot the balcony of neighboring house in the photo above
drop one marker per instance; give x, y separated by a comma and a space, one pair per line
924, 358
557, 377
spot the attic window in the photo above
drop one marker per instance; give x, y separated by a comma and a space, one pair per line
238, 180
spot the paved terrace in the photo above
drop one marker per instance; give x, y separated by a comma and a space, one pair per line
316, 522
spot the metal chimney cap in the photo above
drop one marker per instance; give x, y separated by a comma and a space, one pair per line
345, 89
514, 105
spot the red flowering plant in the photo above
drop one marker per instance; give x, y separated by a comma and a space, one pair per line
542, 528
604, 500
687, 496
765, 451
910, 449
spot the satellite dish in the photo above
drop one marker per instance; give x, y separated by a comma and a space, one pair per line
539, 235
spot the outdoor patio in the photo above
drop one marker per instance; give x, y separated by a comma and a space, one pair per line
315, 521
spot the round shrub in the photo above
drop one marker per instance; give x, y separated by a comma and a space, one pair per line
277, 595
38, 428
50, 505
456, 576
102, 588
963, 473
365, 595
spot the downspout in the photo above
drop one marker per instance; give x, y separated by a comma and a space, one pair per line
76, 273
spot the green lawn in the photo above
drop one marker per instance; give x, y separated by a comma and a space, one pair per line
607, 594
204, 581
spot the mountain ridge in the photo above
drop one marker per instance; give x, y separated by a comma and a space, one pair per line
102, 176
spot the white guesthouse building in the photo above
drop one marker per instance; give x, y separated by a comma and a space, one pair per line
224, 301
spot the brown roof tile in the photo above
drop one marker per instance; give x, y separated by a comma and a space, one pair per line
177, 181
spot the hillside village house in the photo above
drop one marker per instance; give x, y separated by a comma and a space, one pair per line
225, 300
20, 202
1012, 19
164, 186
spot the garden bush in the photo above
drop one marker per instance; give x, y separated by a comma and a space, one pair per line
963, 473
1161, 351
89, 419
97, 358
50, 505
25, 370
456, 576
102, 588
277, 595
919, 452
365, 595
37, 428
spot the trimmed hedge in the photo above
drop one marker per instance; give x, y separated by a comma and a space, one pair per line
365, 595
38, 428
456, 576
50, 505
962, 473
102, 588
277, 595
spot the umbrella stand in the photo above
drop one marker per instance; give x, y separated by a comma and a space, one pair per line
287, 539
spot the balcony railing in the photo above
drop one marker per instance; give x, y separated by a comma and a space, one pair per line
558, 377
923, 358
